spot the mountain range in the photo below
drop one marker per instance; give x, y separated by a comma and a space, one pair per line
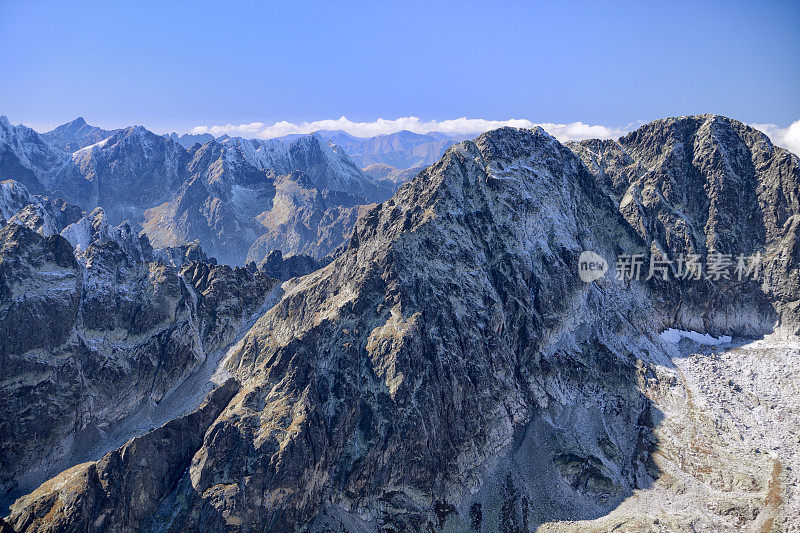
225, 193
444, 368
241, 198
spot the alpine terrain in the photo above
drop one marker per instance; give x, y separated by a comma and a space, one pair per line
435, 362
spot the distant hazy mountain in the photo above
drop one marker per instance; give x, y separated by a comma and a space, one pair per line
220, 193
27, 158
238, 190
75, 135
401, 150
388, 176
187, 140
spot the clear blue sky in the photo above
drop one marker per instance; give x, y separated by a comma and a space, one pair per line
173, 65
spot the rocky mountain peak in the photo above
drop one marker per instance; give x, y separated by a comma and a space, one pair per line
71, 127
73, 136
450, 370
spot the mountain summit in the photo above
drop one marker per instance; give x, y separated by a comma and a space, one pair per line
75, 135
450, 371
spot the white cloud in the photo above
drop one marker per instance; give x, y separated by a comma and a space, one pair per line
460, 126
788, 138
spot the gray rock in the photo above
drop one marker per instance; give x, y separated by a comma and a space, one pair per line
450, 371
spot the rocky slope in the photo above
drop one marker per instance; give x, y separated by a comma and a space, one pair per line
93, 327
25, 157
73, 136
449, 371
215, 193
305, 220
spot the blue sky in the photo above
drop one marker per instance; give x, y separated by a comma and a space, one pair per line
177, 66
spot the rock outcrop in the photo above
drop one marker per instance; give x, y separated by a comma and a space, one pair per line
284, 268
149, 465
91, 335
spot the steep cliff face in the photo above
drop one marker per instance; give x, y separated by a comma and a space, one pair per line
129, 172
216, 205
89, 338
42, 214
25, 157
708, 184
305, 220
450, 371
149, 464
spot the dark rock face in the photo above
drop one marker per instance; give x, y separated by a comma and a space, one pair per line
305, 221
97, 496
276, 266
704, 184
180, 255
73, 136
85, 342
450, 371
44, 319
225, 295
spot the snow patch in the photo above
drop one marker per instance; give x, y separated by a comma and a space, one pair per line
674, 336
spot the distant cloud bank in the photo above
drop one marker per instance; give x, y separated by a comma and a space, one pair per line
573, 131
788, 138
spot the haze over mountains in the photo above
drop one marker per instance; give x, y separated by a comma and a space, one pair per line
241, 198
444, 368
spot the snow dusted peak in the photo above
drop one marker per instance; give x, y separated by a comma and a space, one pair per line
94, 229
43, 215
510, 142
36, 217
75, 135
4, 123
71, 127
88, 230
139, 134
13, 197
